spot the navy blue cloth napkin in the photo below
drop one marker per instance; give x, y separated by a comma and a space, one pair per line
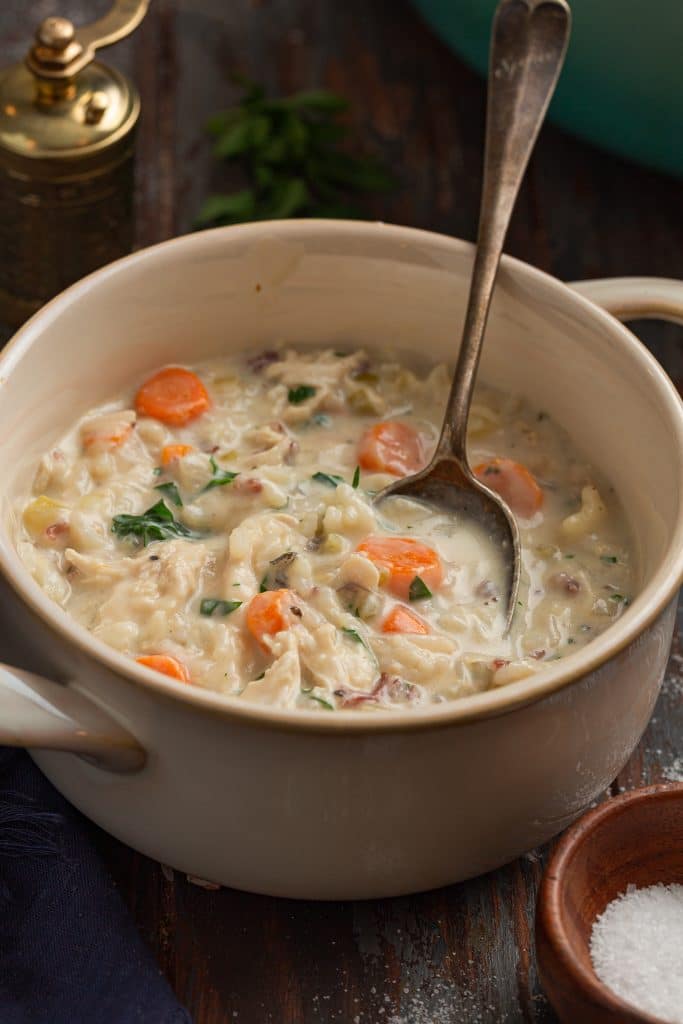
69, 952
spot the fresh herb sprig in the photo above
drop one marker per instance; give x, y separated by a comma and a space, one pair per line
290, 153
300, 394
220, 477
157, 523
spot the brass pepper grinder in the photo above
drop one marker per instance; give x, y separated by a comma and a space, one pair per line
66, 160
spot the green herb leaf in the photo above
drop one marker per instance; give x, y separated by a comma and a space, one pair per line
263, 585
231, 209
319, 700
158, 470
356, 478
609, 559
330, 479
354, 634
172, 493
220, 477
619, 599
418, 590
157, 523
209, 605
299, 394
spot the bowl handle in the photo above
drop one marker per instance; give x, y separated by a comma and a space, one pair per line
636, 298
40, 714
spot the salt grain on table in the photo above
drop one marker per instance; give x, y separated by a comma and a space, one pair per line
637, 949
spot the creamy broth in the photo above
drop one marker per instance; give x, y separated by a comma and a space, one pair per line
233, 542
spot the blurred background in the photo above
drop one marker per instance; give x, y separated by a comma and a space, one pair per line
420, 108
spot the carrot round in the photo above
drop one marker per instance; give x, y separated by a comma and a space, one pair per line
267, 614
403, 559
171, 452
515, 484
165, 664
173, 395
401, 620
391, 447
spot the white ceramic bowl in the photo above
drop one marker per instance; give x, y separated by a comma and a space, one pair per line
340, 805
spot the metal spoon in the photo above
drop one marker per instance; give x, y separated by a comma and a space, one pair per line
528, 43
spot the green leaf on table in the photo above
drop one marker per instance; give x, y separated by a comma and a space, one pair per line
288, 150
233, 208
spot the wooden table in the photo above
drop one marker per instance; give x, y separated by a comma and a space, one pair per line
465, 953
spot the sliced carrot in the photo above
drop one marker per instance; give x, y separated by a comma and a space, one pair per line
267, 614
171, 452
165, 664
401, 620
515, 484
173, 395
391, 447
403, 559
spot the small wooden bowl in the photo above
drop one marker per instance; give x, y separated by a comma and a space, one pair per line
635, 838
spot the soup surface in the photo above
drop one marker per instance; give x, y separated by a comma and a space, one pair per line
217, 525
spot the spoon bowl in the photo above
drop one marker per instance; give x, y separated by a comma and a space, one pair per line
453, 488
528, 45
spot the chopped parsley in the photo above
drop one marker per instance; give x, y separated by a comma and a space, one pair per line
157, 523
619, 599
299, 394
329, 479
220, 477
319, 700
569, 556
158, 470
354, 634
609, 559
418, 590
172, 493
356, 478
210, 605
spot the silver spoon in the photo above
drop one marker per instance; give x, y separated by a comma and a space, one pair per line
528, 43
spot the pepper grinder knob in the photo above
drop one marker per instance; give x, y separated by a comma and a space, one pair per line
55, 33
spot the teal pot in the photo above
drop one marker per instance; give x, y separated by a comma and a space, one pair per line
622, 86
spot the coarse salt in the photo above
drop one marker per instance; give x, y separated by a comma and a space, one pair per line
637, 949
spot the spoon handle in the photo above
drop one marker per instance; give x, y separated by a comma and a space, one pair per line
528, 43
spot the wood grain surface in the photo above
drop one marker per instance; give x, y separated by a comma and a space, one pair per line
465, 954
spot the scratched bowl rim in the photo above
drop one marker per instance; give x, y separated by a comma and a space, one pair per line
641, 614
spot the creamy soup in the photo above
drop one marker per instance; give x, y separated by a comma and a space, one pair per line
217, 525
